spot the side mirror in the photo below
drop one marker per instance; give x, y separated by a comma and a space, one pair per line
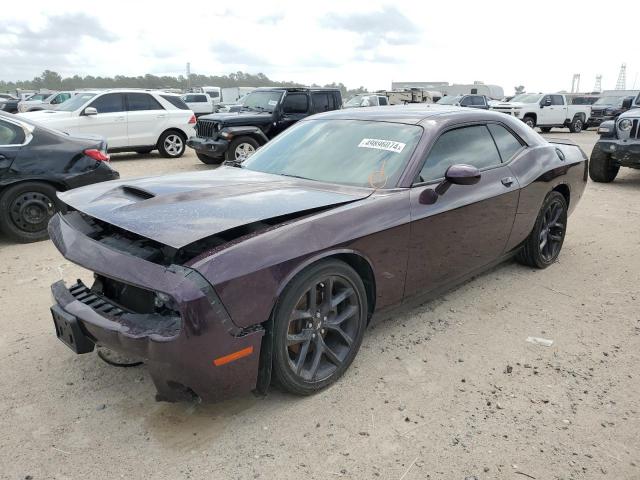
546, 103
459, 174
626, 103
462, 174
89, 111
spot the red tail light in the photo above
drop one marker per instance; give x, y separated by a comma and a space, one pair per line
97, 155
192, 120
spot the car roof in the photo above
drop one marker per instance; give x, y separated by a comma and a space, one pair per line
410, 114
298, 89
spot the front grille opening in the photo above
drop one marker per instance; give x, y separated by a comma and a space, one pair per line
136, 307
207, 128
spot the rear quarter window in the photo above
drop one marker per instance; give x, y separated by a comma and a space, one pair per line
11, 134
175, 101
508, 145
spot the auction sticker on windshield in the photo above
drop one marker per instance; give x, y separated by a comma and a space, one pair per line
378, 144
273, 103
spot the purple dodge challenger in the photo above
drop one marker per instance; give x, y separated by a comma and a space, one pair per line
273, 268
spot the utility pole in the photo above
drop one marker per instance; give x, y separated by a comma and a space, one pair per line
188, 75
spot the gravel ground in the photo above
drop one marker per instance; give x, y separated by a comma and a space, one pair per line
448, 390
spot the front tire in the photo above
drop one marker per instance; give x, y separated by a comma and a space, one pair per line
602, 168
319, 324
529, 121
543, 245
241, 148
172, 144
25, 211
209, 160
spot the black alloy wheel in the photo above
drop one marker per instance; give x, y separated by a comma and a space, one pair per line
319, 328
543, 245
552, 231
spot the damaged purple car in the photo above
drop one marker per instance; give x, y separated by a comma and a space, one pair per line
274, 267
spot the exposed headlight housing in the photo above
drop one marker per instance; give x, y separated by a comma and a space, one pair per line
625, 124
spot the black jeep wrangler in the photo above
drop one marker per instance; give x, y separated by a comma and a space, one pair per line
618, 146
265, 113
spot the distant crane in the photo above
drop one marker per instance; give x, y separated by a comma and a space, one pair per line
598, 86
621, 84
575, 83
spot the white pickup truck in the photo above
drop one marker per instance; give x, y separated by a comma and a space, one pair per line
546, 111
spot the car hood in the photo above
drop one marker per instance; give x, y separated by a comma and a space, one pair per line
177, 210
510, 105
634, 112
239, 118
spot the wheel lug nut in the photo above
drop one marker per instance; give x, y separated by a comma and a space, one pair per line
317, 314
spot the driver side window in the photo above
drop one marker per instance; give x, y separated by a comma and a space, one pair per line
468, 145
109, 103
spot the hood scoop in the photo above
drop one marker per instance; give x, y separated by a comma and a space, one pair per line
137, 192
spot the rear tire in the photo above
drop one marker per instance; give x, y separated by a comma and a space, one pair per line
602, 167
545, 129
319, 323
530, 121
543, 245
172, 144
241, 148
209, 160
25, 211
576, 125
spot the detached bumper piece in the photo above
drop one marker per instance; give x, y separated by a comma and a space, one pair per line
69, 332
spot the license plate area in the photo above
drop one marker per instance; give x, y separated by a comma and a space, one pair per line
69, 332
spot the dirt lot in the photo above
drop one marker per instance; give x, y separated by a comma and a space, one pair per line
446, 391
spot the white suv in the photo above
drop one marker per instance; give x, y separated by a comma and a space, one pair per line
131, 120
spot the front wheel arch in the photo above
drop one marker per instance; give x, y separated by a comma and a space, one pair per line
356, 260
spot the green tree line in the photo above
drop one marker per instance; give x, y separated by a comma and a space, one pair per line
54, 81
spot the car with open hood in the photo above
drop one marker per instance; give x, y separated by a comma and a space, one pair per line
219, 280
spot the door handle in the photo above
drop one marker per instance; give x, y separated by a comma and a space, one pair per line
161, 116
119, 119
507, 181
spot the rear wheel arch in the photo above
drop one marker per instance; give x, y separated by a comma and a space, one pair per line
564, 189
59, 186
172, 130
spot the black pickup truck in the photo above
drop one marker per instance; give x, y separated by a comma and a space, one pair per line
264, 114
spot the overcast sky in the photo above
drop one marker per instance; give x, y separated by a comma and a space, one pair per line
536, 44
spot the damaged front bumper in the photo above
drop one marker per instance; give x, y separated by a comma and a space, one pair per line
196, 350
